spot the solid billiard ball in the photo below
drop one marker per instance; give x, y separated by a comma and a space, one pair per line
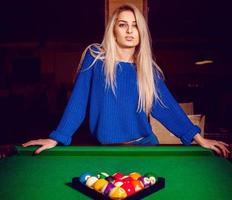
145, 180
118, 175
91, 180
129, 188
138, 185
126, 179
99, 184
83, 177
102, 175
135, 175
107, 188
110, 179
117, 193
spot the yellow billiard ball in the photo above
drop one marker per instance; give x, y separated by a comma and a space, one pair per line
118, 193
99, 184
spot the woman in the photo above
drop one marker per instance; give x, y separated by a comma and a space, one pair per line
121, 85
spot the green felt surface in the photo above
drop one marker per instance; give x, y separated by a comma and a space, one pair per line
190, 172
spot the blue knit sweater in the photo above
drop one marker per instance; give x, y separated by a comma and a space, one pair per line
114, 118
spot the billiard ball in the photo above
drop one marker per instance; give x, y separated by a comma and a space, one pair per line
91, 180
145, 180
99, 184
117, 193
135, 175
110, 179
129, 188
102, 175
118, 175
83, 177
118, 182
152, 177
107, 188
138, 185
126, 179
153, 180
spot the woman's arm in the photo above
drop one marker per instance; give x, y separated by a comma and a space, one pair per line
44, 143
171, 115
74, 112
218, 146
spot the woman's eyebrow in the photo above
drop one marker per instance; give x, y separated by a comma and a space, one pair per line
120, 20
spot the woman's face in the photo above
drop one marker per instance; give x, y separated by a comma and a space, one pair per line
126, 31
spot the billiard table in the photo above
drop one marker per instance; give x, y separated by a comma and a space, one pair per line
190, 172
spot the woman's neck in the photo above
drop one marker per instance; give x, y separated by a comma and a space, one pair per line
125, 54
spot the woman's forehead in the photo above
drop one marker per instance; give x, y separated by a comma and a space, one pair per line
127, 16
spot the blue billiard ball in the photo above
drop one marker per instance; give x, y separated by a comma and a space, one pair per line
83, 177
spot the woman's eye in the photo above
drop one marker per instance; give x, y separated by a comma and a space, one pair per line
122, 25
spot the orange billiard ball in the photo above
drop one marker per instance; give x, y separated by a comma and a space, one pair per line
138, 185
135, 175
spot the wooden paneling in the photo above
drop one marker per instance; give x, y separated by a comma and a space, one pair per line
111, 5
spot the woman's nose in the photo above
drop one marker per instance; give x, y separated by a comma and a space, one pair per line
129, 29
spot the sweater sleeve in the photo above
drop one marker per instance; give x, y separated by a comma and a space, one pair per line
170, 114
75, 110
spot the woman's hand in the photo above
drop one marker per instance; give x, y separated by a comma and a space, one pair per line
219, 147
44, 143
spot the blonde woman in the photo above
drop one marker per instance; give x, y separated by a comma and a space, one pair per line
122, 85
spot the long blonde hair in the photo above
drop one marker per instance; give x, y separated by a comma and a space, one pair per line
145, 64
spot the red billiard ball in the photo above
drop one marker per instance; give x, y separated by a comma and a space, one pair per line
118, 175
126, 179
129, 188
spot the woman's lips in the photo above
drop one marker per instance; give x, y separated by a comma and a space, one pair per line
129, 38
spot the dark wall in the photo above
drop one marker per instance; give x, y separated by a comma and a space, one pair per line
41, 39
76, 21
184, 32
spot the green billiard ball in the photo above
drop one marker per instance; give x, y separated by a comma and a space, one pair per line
102, 175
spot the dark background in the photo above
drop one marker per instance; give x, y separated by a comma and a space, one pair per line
41, 43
